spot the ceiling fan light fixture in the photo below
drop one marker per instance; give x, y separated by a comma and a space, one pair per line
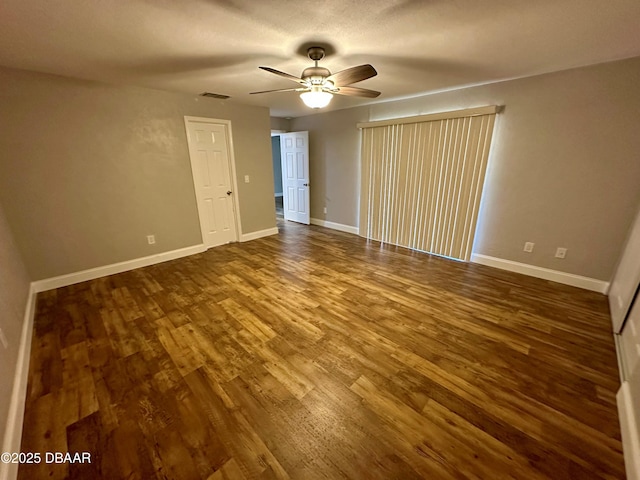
316, 98
318, 85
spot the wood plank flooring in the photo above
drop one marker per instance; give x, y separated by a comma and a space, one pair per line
315, 354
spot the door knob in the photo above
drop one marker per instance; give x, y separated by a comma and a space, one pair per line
305, 184
229, 192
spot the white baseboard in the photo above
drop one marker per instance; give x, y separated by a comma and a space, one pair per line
335, 226
587, 283
259, 234
629, 431
92, 273
15, 417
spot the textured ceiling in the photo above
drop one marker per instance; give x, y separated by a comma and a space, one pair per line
417, 46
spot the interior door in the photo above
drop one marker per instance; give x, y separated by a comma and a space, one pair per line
211, 168
294, 153
626, 279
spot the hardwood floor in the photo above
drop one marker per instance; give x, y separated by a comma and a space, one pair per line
315, 354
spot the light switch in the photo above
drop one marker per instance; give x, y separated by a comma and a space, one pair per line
246, 179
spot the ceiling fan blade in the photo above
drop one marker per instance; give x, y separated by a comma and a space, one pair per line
280, 90
357, 92
282, 74
352, 75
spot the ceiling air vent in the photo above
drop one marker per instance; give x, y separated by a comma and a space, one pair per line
214, 95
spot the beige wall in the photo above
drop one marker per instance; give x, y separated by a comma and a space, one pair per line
334, 163
279, 123
564, 169
89, 169
14, 291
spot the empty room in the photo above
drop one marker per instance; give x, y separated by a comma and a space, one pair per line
341, 240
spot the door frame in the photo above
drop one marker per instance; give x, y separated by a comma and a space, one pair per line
624, 288
278, 133
232, 169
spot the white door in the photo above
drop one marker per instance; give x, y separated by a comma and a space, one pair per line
294, 152
626, 279
209, 149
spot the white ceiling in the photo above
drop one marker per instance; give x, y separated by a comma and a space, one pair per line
417, 46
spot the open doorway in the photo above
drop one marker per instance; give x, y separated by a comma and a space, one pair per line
277, 174
290, 157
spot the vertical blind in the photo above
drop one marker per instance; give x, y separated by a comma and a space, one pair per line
422, 180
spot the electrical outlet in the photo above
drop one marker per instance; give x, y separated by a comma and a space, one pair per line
151, 239
3, 339
528, 247
246, 179
324, 209
561, 252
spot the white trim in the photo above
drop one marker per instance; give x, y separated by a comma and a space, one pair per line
279, 194
545, 273
15, 417
629, 431
92, 273
335, 226
232, 164
246, 237
622, 368
234, 177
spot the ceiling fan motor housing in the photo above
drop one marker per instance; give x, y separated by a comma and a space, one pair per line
315, 75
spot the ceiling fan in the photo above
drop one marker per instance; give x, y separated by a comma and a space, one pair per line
319, 84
